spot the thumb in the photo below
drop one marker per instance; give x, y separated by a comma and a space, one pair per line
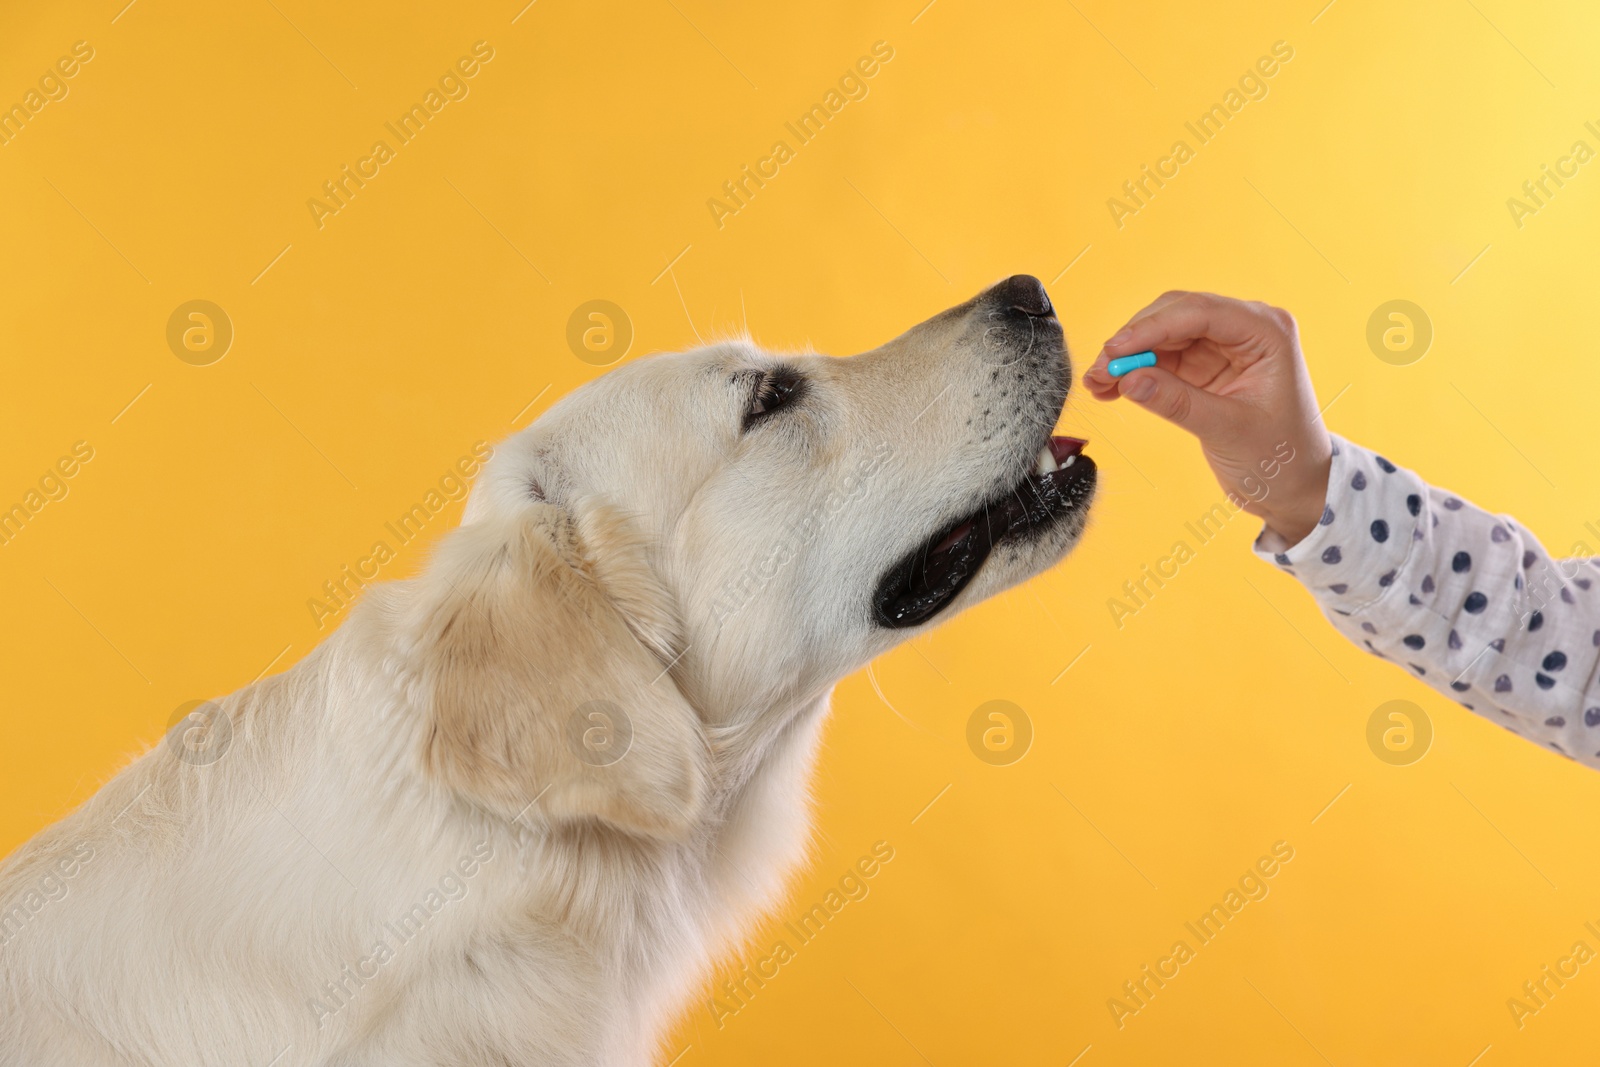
1163, 393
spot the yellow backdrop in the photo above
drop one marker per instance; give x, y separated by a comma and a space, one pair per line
360, 337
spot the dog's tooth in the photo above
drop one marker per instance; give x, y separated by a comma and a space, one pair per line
1046, 463
1070, 461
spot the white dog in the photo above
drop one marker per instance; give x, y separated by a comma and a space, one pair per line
513, 809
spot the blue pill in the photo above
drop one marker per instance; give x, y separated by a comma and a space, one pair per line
1119, 367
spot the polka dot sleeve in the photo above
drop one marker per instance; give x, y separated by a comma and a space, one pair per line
1467, 601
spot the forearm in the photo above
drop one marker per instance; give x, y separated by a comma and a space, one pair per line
1468, 601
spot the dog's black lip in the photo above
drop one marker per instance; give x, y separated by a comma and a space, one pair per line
923, 582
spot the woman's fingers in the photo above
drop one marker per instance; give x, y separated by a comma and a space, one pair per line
1200, 364
1178, 320
1165, 394
1098, 377
1203, 340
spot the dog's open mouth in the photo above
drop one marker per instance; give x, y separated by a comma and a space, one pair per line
921, 584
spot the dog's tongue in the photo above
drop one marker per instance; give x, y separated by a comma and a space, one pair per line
1062, 447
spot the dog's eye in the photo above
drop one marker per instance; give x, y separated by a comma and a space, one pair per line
771, 392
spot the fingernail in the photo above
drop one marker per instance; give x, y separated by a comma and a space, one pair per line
1141, 388
1118, 338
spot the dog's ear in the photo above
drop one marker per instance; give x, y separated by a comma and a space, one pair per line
538, 647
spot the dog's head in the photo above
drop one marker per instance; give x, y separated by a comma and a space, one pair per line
713, 538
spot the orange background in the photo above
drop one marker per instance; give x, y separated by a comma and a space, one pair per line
431, 312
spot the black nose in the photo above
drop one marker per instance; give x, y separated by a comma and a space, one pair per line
1026, 294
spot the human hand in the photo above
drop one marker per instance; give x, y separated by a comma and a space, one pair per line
1231, 372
